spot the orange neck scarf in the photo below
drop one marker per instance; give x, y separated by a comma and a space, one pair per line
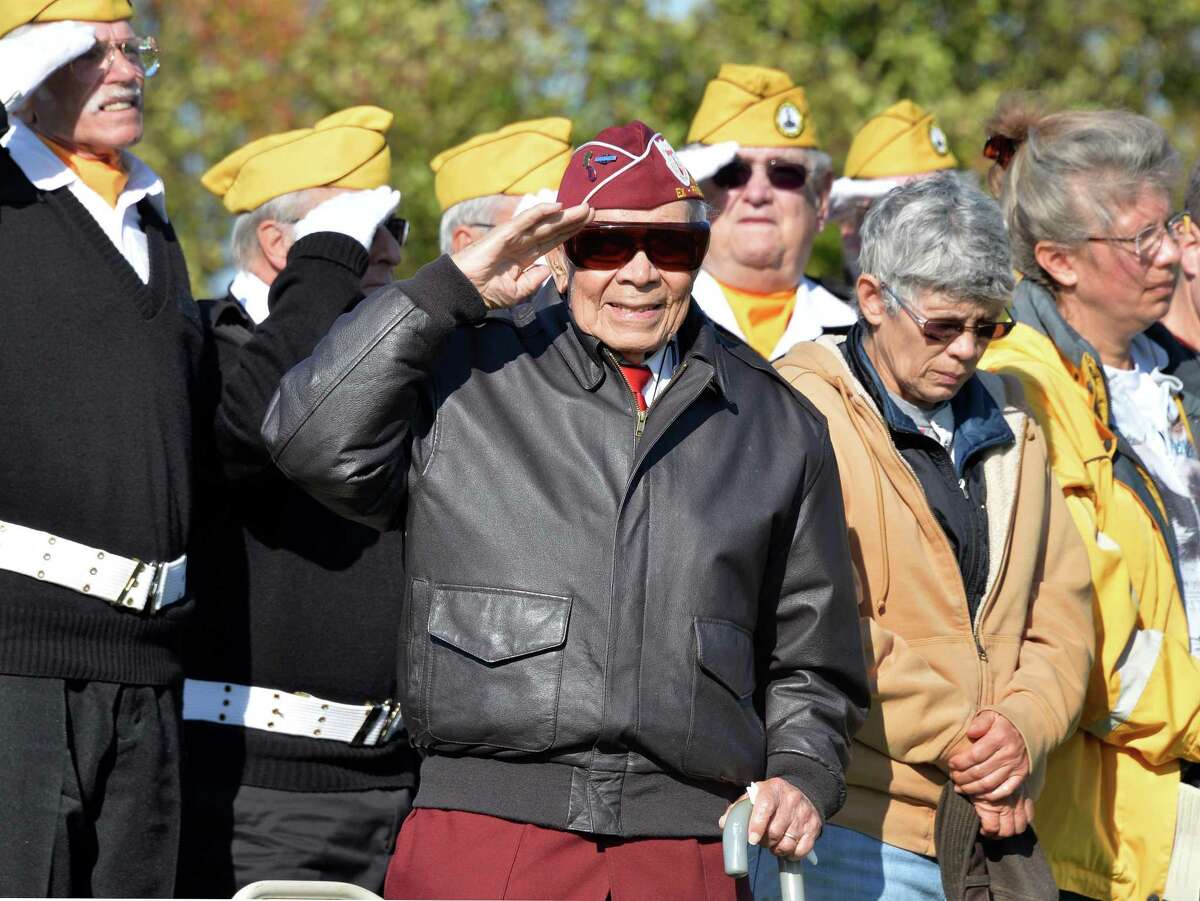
763, 318
106, 176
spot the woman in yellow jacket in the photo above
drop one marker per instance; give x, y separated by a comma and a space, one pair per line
1086, 199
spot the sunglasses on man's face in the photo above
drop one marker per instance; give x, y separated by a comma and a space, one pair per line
780, 173
671, 246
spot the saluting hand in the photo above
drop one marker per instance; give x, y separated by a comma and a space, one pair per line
500, 265
29, 57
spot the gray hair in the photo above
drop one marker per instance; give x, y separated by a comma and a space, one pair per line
285, 209
475, 211
1074, 172
1191, 198
938, 234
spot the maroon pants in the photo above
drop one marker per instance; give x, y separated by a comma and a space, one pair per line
452, 854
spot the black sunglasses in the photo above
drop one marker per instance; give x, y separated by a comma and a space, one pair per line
672, 246
397, 228
943, 331
780, 173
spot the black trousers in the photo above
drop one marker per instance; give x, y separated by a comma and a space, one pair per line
89, 788
237, 834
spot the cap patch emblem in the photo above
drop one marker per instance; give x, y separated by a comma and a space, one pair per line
668, 154
937, 138
789, 121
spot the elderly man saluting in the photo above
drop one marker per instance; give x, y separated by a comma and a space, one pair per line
101, 340
623, 603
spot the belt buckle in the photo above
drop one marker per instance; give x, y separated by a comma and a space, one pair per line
153, 593
389, 710
123, 599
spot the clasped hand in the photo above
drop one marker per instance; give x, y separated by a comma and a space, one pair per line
992, 772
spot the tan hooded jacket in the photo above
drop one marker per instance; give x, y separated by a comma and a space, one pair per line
1030, 650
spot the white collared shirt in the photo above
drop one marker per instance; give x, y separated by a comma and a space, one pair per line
122, 224
815, 311
662, 366
251, 292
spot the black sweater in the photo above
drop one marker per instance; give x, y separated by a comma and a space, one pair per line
97, 375
293, 596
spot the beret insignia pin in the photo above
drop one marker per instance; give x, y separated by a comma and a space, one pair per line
937, 138
789, 121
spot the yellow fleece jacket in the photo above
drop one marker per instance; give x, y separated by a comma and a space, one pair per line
1107, 818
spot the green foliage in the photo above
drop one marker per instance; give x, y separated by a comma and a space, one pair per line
449, 69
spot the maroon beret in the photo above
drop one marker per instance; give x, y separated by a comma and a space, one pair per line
626, 167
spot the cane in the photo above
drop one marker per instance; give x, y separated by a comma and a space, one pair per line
737, 860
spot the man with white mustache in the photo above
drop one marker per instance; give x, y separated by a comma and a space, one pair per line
101, 341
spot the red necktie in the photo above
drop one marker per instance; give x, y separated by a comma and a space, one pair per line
637, 376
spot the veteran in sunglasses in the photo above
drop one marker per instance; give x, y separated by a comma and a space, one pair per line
623, 602
101, 340
753, 146
290, 720
976, 599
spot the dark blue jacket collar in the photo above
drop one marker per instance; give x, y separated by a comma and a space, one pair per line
978, 421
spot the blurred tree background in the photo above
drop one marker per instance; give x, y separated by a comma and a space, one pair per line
449, 69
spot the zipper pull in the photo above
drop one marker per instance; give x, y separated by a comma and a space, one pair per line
962, 486
641, 424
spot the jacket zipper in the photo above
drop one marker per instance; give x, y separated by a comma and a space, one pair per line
641, 414
1008, 536
978, 613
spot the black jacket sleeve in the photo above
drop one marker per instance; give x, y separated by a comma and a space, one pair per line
817, 693
321, 281
341, 423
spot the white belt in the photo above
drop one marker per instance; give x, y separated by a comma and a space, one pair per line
122, 581
290, 713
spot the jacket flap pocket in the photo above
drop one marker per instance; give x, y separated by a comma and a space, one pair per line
726, 652
495, 624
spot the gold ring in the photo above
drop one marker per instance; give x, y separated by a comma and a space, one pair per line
794, 838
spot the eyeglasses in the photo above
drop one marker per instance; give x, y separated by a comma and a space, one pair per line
1149, 241
944, 331
397, 228
671, 246
1001, 149
141, 53
780, 173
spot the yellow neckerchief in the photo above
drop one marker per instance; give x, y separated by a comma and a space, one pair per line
107, 177
763, 318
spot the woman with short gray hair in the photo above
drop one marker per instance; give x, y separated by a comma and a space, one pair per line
1087, 200
976, 602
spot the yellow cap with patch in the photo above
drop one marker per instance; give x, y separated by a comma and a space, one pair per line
345, 150
902, 140
522, 158
15, 13
755, 106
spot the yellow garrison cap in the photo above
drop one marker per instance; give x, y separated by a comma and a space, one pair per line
521, 158
902, 140
345, 150
755, 106
15, 13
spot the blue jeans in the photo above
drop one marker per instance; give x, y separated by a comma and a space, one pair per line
855, 867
